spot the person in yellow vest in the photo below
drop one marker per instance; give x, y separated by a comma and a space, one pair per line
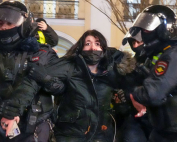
46, 34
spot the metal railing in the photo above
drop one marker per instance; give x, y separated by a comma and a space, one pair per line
53, 9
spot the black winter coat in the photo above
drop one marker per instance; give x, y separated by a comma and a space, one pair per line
84, 109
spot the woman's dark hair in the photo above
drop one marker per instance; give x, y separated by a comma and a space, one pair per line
77, 48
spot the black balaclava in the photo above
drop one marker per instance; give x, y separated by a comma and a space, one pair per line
138, 49
9, 39
148, 37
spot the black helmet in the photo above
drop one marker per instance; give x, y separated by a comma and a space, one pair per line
16, 13
158, 17
157, 25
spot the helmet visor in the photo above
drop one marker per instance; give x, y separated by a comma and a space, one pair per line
147, 21
133, 33
11, 16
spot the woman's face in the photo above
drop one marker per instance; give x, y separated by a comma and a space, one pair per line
92, 43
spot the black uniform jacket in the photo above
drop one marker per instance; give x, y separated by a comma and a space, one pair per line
158, 92
20, 88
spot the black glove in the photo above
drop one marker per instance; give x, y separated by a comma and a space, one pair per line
121, 95
55, 85
142, 69
10, 108
38, 73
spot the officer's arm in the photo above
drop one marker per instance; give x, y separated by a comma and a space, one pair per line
22, 97
125, 68
25, 92
157, 87
42, 76
48, 77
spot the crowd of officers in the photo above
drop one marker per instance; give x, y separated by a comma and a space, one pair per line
101, 94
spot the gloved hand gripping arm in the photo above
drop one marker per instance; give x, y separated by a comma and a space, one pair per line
49, 83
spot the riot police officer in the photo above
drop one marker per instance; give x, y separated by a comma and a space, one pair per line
19, 49
134, 128
157, 25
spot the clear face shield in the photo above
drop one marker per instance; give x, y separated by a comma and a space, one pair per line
12, 16
146, 21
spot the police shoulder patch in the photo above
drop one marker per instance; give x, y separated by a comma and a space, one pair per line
161, 67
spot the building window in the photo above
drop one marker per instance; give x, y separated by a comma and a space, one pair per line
62, 46
132, 9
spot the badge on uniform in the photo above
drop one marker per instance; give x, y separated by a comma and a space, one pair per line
35, 59
161, 67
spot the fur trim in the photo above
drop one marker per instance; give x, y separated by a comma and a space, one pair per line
127, 64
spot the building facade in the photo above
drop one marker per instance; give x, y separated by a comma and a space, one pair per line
70, 19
